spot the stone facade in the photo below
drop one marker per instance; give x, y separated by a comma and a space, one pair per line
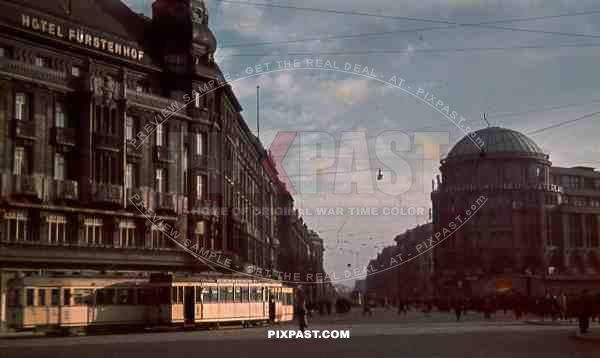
103, 113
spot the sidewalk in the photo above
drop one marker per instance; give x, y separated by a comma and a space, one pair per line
593, 336
550, 322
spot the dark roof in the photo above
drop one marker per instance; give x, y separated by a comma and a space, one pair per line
494, 140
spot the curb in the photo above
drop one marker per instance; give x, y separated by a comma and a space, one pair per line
21, 335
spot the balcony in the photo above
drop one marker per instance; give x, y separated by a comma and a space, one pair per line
21, 69
107, 141
201, 114
162, 154
66, 190
137, 198
133, 151
165, 201
204, 207
64, 136
103, 193
27, 186
24, 129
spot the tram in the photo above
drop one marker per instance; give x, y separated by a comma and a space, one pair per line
62, 303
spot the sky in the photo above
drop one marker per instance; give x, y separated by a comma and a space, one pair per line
471, 54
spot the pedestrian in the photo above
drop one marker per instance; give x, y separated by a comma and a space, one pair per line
367, 308
585, 311
302, 315
458, 309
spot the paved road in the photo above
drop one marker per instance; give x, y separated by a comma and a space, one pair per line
379, 336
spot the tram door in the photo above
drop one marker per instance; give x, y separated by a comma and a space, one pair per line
189, 304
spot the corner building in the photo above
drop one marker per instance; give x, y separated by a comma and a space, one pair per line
84, 88
534, 229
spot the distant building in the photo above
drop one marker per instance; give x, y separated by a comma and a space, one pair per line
511, 221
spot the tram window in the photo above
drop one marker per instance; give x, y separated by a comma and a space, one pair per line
82, 296
55, 297
14, 299
177, 295
30, 294
145, 296
245, 294
173, 294
67, 297
238, 295
199, 291
228, 294
123, 296
214, 294
164, 296
109, 296
100, 297
41, 297
253, 294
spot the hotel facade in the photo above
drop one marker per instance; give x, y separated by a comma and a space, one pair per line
107, 115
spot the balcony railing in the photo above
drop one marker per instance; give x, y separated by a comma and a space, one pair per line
64, 136
57, 78
66, 190
107, 193
107, 141
27, 185
166, 201
24, 129
137, 198
134, 151
162, 154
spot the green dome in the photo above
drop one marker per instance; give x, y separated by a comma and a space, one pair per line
495, 140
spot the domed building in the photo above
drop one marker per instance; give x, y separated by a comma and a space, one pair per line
505, 219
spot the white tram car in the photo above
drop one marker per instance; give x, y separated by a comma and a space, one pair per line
91, 302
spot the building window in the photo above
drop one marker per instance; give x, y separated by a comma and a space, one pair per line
15, 226
2, 52
93, 231
199, 234
197, 100
75, 71
19, 161
129, 128
21, 104
185, 169
160, 135
160, 183
130, 176
127, 234
160, 240
59, 116
57, 233
59, 166
200, 187
199, 143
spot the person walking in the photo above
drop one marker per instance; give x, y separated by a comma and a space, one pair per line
458, 309
302, 311
585, 311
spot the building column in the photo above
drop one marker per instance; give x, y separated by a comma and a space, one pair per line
3, 291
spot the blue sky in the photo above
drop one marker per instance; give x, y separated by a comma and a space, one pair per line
539, 78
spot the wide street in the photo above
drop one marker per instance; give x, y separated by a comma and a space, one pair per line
384, 334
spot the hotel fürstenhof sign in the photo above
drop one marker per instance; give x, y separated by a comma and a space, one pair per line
81, 37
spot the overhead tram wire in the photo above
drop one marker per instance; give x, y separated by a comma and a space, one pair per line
561, 124
391, 32
396, 51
